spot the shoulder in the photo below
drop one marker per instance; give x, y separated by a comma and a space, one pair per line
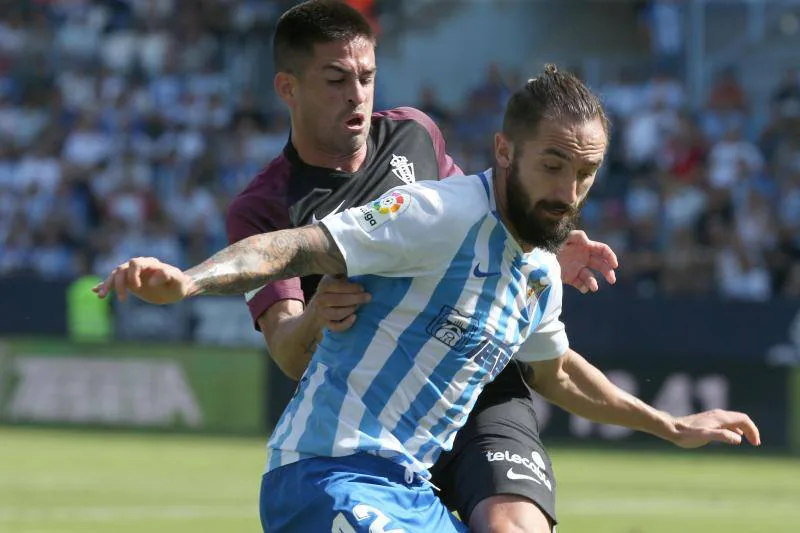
263, 204
473, 187
408, 114
269, 186
456, 198
405, 113
550, 261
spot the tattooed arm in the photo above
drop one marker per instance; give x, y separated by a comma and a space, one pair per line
246, 265
261, 259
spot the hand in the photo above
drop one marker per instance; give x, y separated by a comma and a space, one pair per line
336, 301
580, 256
149, 279
694, 431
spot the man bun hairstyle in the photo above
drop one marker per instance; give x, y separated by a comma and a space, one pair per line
552, 95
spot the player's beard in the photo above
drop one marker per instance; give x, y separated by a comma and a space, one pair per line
530, 223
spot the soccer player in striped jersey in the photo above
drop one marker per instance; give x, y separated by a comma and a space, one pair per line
463, 279
340, 155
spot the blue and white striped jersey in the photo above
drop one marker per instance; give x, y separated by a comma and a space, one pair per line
453, 299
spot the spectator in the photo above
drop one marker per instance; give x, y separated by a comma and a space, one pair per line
664, 21
741, 272
733, 159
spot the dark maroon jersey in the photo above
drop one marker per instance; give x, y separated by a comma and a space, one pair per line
404, 145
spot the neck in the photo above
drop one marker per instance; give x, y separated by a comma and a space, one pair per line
313, 154
501, 200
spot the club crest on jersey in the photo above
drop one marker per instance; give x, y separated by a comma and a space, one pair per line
386, 208
402, 168
537, 284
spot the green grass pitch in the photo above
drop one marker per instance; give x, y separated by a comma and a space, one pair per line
87, 482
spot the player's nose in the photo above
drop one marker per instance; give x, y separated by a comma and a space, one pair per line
567, 192
358, 93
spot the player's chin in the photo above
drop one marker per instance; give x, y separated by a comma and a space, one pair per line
351, 142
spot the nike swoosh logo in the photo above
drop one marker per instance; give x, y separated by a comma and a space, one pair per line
478, 273
314, 218
249, 295
514, 476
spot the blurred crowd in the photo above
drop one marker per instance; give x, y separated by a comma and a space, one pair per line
705, 202
126, 127
700, 203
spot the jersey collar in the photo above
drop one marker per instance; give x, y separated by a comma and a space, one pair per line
290, 152
487, 178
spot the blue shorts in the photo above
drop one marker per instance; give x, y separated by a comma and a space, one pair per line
357, 493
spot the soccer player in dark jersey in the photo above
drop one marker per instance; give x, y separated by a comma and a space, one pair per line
340, 155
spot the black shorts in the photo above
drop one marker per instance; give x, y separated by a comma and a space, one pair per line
498, 451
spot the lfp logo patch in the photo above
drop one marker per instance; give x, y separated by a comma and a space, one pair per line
382, 210
390, 203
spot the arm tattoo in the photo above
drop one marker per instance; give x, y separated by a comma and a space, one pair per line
262, 259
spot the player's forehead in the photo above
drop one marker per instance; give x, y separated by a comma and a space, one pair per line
356, 56
582, 143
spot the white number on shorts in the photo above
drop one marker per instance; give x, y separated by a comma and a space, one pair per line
341, 525
363, 512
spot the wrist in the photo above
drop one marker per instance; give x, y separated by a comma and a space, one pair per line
665, 426
191, 287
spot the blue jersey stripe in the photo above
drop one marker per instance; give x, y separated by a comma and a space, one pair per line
345, 349
485, 182
308, 386
512, 293
411, 342
509, 338
452, 362
294, 405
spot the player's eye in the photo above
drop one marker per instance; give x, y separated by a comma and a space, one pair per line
336, 82
552, 168
367, 80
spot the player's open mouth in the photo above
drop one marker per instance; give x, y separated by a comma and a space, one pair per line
355, 122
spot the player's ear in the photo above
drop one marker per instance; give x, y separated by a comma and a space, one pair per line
503, 150
285, 84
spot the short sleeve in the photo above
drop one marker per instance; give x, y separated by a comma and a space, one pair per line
406, 232
246, 218
447, 167
549, 340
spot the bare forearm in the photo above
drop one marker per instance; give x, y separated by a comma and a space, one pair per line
261, 259
582, 389
292, 340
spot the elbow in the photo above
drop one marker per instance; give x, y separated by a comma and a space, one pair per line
549, 378
290, 368
552, 387
278, 326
